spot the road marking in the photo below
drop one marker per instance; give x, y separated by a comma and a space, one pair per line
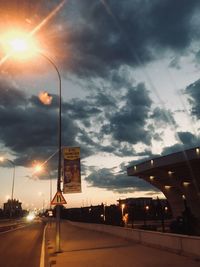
14, 229
42, 255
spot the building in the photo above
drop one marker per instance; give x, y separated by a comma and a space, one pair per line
12, 208
138, 208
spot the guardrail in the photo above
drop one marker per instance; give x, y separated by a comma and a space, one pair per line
181, 244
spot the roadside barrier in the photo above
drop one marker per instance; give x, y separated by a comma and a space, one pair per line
181, 244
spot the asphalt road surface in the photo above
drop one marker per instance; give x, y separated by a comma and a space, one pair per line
22, 247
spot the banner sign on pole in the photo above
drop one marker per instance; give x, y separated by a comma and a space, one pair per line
71, 170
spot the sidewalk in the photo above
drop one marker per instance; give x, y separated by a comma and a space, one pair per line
84, 248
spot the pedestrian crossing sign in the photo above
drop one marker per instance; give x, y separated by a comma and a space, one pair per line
58, 199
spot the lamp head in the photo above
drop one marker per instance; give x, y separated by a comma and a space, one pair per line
19, 44
38, 168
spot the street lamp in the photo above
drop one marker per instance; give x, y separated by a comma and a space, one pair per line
122, 209
58, 249
24, 43
146, 209
39, 168
43, 200
2, 159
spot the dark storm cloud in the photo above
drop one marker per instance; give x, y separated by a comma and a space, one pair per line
188, 140
128, 123
163, 117
105, 178
135, 32
10, 95
193, 91
90, 38
104, 100
29, 129
172, 22
31, 133
81, 109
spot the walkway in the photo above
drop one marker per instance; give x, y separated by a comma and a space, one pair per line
84, 248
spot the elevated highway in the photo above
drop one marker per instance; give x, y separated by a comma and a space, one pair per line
178, 176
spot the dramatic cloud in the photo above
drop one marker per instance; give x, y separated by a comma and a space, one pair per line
104, 37
162, 117
29, 129
93, 37
10, 95
188, 140
128, 123
193, 90
99, 43
106, 178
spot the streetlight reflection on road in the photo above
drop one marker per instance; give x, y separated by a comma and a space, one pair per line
21, 45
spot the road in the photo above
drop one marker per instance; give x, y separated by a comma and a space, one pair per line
22, 247
86, 248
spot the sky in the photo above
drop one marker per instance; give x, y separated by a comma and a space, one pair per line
130, 91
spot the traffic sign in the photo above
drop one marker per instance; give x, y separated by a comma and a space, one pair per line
58, 199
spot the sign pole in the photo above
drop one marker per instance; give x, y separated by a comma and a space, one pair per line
58, 200
58, 229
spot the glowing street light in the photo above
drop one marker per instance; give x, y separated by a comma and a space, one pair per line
146, 209
122, 208
41, 194
38, 169
18, 44
23, 45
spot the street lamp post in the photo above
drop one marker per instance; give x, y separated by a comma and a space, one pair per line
122, 210
13, 182
23, 45
50, 191
13, 179
39, 168
59, 153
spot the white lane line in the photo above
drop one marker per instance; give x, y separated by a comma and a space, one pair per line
42, 255
14, 229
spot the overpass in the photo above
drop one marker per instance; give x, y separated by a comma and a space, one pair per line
178, 176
